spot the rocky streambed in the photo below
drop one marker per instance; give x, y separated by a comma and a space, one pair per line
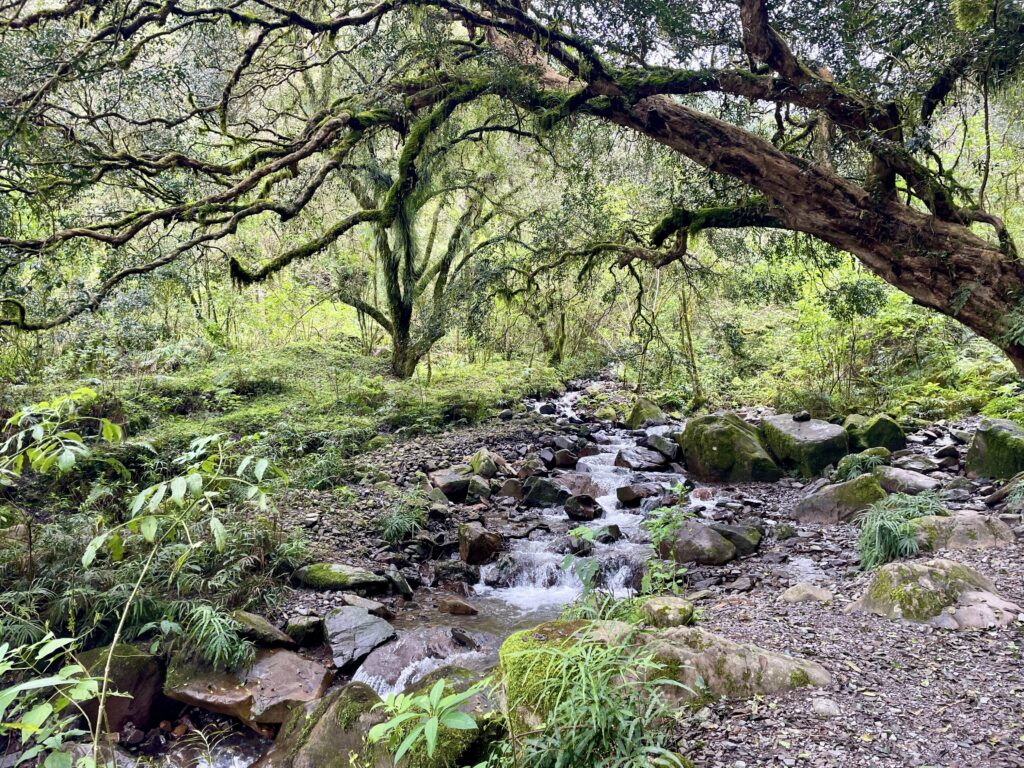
894, 668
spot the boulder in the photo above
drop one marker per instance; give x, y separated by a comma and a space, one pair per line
640, 459
403, 662
807, 446
583, 508
667, 448
327, 732
259, 630
806, 593
745, 536
544, 492
942, 593
996, 450
339, 576
712, 665
452, 482
133, 672
531, 466
721, 446
606, 413
278, 682
881, 431
477, 545
645, 413
694, 542
513, 487
962, 531
917, 462
667, 611
577, 483
477, 489
861, 463
897, 480
839, 502
371, 606
485, 463
305, 630
352, 633
455, 606
632, 495
566, 459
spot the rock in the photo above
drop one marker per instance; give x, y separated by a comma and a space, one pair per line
667, 448
645, 413
583, 508
547, 409
639, 459
398, 582
667, 611
485, 463
897, 480
506, 415
331, 732
916, 463
402, 663
547, 457
825, 708
277, 682
839, 502
371, 606
711, 665
133, 672
632, 495
566, 459
259, 630
453, 482
942, 593
721, 446
806, 593
745, 537
477, 545
305, 630
694, 542
477, 489
996, 450
807, 446
352, 633
456, 607
802, 416
608, 534
606, 413
579, 483
530, 467
544, 492
339, 576
881, 431
512, 487
962, 531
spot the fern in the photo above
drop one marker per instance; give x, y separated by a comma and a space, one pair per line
887, 532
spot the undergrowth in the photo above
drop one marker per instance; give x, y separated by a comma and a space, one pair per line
886, 529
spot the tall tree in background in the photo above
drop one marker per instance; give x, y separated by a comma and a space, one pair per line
137, 132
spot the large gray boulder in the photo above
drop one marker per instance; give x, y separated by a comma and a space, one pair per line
722, 446
352, 633
881, 431
807, 446
840, 502
942, 593
897, 480
997, 449
962, 531
694, 542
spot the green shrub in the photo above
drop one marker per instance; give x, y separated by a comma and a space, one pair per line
886, 530
405, 518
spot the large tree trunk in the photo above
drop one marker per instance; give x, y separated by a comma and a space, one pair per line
942, 265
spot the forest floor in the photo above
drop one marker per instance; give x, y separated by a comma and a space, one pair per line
902, 694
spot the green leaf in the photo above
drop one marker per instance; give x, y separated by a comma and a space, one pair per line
92, 548
178, 487
148, 526
219, 533
261, 468
157, 497
458, 720
38, 715
66, 460
430, 731
194, 482
409, 741
116, 547
436, 692
53, 645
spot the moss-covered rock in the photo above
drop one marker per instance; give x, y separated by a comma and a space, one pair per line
722, 446
806, 446
606, 413
861, 463
667, 611
897, 480
136, 675
259, 630
939, 592
712, 666
962, 531
997, 449
839, 502
881, 431
645, 412
339, 576
330, 733
694, 542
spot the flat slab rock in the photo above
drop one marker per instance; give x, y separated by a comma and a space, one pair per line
277, 682
352, 633
808, 446
962, 531
942, 593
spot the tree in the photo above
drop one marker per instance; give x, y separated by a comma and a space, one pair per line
180, 112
